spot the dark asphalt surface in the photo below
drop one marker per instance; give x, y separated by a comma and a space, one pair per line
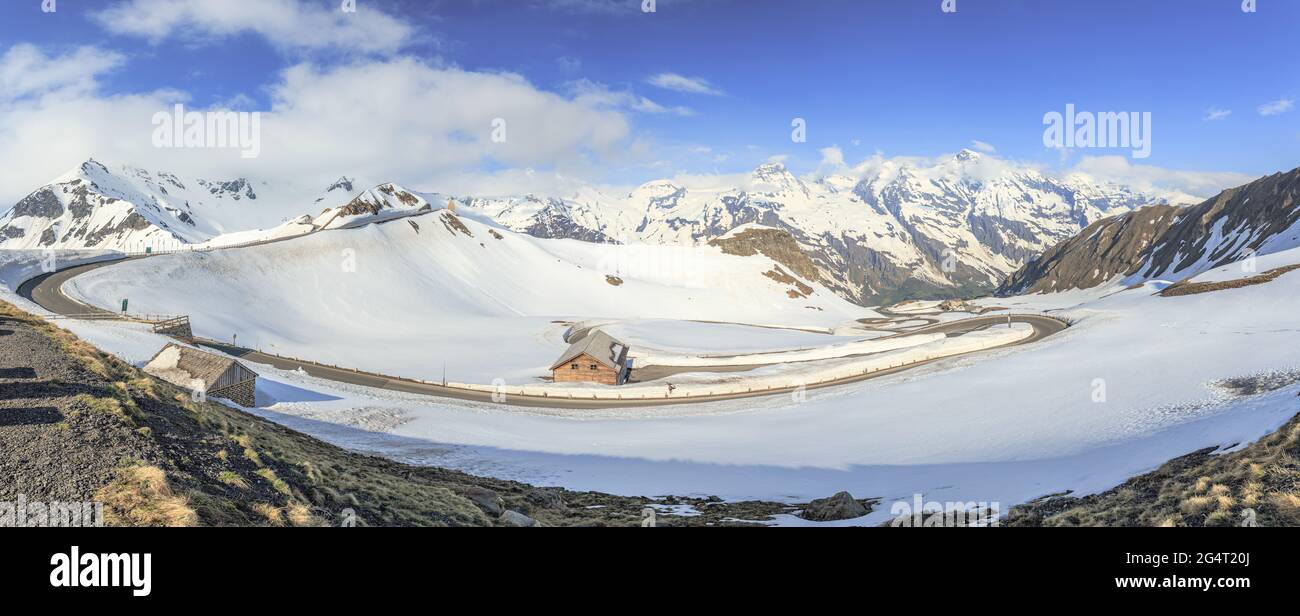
46, 291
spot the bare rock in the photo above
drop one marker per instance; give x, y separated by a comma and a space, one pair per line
841, 506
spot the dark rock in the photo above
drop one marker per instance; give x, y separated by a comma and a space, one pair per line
40, 204
545, 498
487, 500
841, 506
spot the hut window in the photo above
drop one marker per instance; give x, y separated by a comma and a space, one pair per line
593, 366
573, 366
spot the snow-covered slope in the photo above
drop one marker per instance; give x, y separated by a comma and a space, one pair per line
405, 296
896, 230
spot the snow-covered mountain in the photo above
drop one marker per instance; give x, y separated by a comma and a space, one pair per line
900, 229
1172, 243
127, 208
130, 209
379, 203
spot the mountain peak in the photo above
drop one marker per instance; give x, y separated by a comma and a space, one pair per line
343, 183
966, 155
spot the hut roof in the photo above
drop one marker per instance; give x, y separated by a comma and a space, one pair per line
600, 346
182, 365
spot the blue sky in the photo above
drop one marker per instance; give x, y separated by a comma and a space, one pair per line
898, 77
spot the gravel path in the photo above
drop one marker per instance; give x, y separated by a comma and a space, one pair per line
54, 447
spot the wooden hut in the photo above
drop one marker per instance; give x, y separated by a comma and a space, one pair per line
215, 375
596, 358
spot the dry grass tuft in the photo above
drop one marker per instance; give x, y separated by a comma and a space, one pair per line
274, 515
300, 515
232, 479
141, 496
277, 483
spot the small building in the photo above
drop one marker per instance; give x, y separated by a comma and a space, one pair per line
596, 358
215, 375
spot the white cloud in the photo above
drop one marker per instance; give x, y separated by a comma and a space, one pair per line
1213, 114
1121, 170
287, 24
600, 95
646, 105
679, 83
27, 71
1281, 105
983, 146
1176, 185
832, 158
397, 120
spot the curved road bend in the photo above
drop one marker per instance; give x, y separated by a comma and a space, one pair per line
46, 291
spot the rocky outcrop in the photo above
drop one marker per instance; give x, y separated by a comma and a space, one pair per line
841, 506
774, 244
40, 204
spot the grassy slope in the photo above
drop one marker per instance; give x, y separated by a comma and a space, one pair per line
1199, 489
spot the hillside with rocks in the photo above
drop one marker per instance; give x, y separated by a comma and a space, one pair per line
1171, 243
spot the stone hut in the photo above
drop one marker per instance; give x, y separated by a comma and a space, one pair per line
216, 375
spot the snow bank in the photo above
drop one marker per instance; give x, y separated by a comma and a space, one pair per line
293, 228
18, 266
654, 357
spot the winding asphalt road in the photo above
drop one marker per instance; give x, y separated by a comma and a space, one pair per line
46, 291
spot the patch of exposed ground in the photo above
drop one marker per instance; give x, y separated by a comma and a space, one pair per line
453, 224
775, 244
1192, 288
800, 289
1259, 383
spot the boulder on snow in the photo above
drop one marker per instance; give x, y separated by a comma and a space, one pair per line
841, 506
